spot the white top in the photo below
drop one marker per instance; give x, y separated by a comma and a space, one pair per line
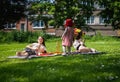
76, 43
36, 45
42, 47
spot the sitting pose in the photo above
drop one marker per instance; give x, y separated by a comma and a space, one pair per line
34, 48
79, 45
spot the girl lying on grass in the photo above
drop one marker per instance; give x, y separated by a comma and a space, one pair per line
34, 48
81, 47
78, 43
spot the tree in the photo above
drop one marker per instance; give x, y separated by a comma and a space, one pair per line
39, 10
78, 10
11, 11
111, 12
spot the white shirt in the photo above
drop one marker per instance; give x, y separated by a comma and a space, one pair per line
36, 45
76, 43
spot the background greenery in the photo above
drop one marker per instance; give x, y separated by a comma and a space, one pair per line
58, 10
29, 37
20, 36
78, 68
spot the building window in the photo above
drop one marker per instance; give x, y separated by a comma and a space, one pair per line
84, 3
90, 20
98, 6
22, 27
10, 25
101, 20
101, 6
38, 24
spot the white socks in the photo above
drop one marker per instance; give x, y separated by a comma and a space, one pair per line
66, 49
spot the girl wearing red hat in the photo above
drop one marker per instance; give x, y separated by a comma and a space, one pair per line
67, 37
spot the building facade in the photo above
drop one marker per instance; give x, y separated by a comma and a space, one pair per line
95, 22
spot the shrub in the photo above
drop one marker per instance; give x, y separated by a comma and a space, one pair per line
20, 36
99, 37
6, 37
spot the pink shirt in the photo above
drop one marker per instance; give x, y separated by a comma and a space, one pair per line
67, 37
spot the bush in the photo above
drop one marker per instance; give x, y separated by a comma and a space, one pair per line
20, 36
6, 37
99, 37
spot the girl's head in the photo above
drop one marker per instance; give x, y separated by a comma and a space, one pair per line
77, 33
41, 40
68, 22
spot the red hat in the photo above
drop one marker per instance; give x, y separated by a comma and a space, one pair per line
68, 22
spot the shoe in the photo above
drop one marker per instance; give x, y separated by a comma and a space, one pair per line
64, 54
69, 53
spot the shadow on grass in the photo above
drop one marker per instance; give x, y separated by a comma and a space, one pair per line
71, 68
4, 61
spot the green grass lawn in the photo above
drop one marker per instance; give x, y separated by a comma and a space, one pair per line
77, 68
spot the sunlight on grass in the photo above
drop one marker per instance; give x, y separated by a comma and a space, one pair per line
78, 68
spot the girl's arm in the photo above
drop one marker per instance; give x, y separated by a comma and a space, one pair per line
41, 49
64, 32
31, 46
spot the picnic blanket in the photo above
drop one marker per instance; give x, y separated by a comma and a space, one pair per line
54, 54
88, 53
35, 56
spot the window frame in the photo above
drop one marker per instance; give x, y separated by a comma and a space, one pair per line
40, 24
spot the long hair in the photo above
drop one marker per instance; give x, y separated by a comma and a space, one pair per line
43, 40
79, 36
43, 43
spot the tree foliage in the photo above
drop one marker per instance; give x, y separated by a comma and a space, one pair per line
78, 10
11, 11
81, 10
58, 11
62, 9
111, 12
39, 10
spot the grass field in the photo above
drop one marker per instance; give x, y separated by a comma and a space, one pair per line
77, 68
